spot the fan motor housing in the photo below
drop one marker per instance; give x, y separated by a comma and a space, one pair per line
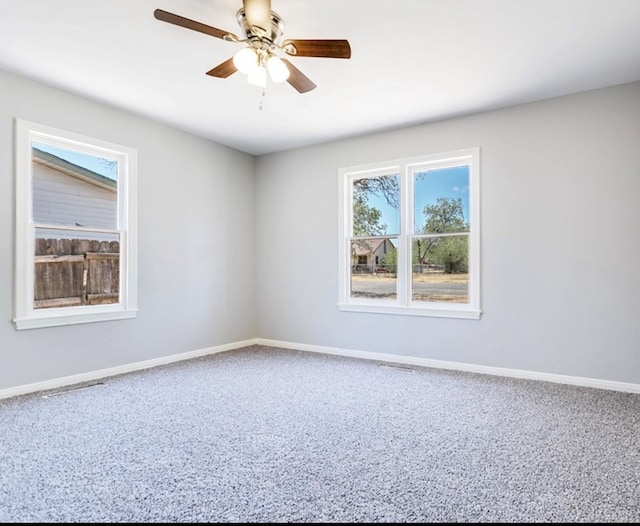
276, 29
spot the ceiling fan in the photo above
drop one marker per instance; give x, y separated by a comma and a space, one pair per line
261, 32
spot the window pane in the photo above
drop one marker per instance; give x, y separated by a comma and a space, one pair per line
373, 268
441, 200
76, 268
376, 206
73, 188
440, 269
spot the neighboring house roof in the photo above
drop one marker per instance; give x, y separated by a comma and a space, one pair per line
73, 170
369, 246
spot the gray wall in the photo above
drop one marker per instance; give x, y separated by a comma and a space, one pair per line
560, 183
559, 218
196, 243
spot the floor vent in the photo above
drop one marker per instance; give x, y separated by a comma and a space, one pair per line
393, 366
71, 390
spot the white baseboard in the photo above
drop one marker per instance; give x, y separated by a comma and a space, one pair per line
439, 364
393, 358
130, 367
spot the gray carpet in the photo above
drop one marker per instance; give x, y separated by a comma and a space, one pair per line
263, 434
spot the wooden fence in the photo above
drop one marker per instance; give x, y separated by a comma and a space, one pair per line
76, 272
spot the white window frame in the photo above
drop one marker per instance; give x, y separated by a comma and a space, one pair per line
403, 304
25, 316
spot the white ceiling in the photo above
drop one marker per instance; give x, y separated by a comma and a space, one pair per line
412, 61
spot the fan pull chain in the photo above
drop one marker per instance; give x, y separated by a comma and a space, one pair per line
263, 93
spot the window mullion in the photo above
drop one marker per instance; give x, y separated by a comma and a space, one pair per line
404, 242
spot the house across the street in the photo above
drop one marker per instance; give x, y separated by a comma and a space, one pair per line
369, 254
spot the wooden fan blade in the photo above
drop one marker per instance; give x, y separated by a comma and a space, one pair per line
181, 21
223, 70
318, 48
298, 79
258, 13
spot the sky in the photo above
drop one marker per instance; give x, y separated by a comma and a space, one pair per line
444, 182
91, 162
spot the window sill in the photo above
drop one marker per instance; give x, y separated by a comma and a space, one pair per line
58, 319
444, 311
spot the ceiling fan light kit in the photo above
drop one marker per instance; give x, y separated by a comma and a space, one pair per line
262, 30
259, 54
277, 69
257, 77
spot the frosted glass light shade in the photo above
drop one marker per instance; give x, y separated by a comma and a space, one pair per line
245, 60
278, 70
258, 77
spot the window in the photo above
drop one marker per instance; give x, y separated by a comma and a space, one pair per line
418, 219
75, 228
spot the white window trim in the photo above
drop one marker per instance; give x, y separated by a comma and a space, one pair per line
25, 316
404, 305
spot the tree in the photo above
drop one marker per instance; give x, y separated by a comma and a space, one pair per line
421, 248
385, 186
390, 260
366, 219
109, 167
445, 216
452, 253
